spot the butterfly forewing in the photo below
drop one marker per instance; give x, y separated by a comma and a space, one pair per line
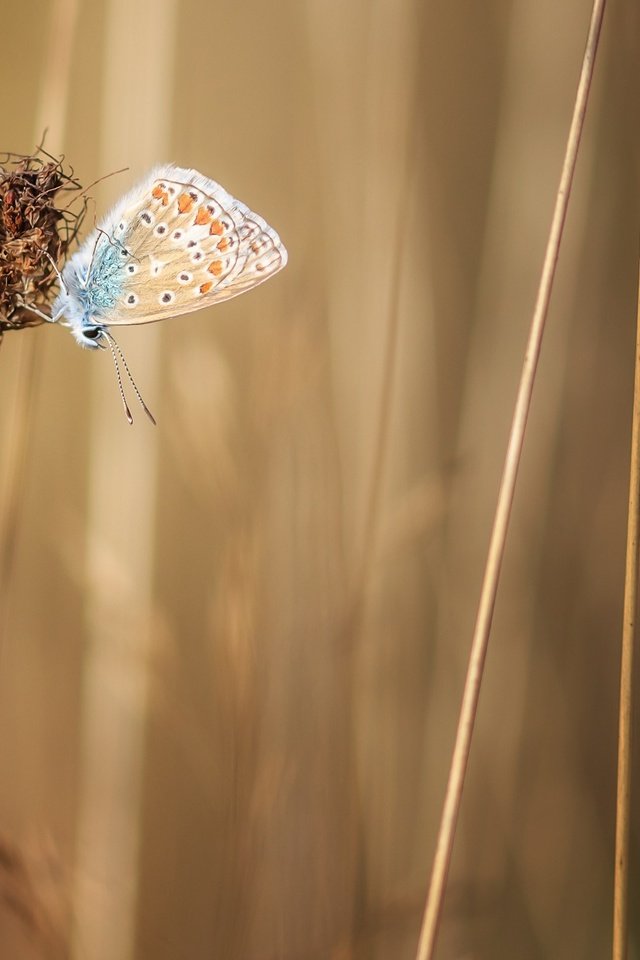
185, 243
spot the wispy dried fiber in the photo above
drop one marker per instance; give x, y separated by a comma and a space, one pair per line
35, 233
34, 891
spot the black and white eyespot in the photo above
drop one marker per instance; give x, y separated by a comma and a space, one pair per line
124, 252
132, 268
196, 256
192, 243
184, 277
177, 234
121, 226
147, 218
167, 297
156, 267
131, 300
160, 229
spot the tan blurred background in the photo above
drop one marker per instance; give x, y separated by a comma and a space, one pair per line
234, 646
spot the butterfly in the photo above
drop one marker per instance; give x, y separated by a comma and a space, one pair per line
177, 242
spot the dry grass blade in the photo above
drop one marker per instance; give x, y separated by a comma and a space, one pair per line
385, 402
121, 547
36, 230
442, 859
33, 890
52, 104
623, 800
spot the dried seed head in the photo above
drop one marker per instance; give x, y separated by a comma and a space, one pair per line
35, 225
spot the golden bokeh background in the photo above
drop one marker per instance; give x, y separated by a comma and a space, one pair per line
233, 647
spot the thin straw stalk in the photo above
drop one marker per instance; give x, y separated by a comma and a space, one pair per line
51, 114
623, 797
480, 640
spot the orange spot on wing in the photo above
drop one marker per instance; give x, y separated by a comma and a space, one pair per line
202, 216
216, 227
205, 287
215, 267
159, 194
223, 244
185, 203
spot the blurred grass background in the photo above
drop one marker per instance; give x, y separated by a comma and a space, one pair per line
227, 697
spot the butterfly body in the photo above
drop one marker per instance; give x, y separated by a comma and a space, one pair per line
178, 242
89, 297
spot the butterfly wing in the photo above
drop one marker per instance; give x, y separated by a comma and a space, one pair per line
182, 243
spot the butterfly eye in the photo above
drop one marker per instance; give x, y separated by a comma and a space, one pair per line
92, 333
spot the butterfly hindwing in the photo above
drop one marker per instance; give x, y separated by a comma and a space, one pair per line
178, 243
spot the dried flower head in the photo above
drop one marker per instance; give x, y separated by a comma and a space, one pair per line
36, 231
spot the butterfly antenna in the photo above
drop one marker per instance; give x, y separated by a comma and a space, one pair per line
117, 352
120, 387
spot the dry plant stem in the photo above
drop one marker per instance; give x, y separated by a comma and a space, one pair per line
371, 525
53, 97
51, 114
442, 859
121, 648
623, 802
385, 403
16, 452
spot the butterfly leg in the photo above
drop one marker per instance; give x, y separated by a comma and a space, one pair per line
39, 313
63, 285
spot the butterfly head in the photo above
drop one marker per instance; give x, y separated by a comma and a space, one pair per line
92, 338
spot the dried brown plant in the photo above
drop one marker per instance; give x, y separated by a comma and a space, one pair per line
36, 231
